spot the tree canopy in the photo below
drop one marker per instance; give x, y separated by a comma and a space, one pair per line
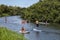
44, 10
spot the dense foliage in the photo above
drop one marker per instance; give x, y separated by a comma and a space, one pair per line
44, 11
6, 34
9, 10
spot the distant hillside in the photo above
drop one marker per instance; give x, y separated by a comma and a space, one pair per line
46, 10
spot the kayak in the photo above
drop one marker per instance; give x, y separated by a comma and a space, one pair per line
37, 30
24, 32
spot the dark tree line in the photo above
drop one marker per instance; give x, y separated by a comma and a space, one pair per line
9, 10
46, 10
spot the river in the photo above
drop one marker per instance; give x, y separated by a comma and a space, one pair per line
48, 32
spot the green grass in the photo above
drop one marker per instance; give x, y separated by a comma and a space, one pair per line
6, 34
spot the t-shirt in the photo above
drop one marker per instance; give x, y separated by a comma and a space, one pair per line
37, 22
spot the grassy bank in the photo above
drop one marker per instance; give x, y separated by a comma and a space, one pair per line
6, 34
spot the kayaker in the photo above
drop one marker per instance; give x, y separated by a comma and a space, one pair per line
23, 29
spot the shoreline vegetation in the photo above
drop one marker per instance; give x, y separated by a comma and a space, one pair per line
6, 34
43, 11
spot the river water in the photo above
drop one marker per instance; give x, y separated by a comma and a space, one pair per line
48, 32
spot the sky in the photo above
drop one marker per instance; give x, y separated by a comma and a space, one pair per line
21, 3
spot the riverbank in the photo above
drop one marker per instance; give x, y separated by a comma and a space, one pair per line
14, 24
6, 34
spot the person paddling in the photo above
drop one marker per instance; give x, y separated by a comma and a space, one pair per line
23, 29
23, 21
5, 19
37, 23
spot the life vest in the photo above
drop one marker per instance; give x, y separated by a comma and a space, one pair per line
23, 29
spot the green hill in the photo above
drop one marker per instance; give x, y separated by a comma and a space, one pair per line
46, 10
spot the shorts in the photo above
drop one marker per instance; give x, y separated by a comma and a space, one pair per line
37, 25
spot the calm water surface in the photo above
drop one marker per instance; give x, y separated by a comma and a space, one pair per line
48, 32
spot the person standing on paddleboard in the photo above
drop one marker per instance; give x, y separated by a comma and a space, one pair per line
37, 23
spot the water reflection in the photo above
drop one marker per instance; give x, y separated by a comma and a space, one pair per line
37, 36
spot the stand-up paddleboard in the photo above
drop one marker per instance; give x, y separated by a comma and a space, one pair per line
37, 30
26, 32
